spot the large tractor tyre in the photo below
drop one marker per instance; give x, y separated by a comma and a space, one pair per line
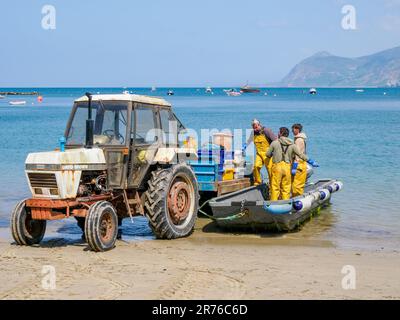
101, 226
172, 201
25, 230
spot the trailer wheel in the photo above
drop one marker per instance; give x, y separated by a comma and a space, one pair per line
25, 230
172, 201
101, 226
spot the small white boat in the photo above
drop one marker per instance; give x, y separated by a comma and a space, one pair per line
232, 93
170, 93
18, 103
313, 91
359, 90
126, 92
209, 90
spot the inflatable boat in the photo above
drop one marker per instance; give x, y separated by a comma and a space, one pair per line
250, 208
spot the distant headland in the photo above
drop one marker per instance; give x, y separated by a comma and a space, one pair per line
18, 93
323, 69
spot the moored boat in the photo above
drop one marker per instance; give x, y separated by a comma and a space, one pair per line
248, 89
17, 103
254, 210
232, 92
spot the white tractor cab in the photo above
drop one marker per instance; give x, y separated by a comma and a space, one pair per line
119, 158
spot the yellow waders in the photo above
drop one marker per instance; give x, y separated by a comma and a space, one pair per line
261, 143
281, 181
299, 180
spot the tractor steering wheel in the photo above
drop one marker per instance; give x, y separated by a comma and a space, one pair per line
110, 133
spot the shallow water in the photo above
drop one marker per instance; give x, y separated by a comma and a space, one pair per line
352, 135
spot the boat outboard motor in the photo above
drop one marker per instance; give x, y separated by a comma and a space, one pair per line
89, 123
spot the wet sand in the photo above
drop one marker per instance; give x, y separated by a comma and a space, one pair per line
207, 265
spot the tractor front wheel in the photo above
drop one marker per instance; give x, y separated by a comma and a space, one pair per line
101, 226
25, 230
172, 201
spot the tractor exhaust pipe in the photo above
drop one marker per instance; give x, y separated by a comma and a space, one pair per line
89, 123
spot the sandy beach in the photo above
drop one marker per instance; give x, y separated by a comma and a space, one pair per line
206, 265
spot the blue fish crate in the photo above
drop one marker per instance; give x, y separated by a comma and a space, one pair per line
209, 167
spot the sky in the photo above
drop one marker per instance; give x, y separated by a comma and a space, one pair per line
181, 42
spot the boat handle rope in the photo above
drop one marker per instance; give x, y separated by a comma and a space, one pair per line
235, 216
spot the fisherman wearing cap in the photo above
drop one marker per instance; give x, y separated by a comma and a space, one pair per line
283, 152
262, 138
299, 167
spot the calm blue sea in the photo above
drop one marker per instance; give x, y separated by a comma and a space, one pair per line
353, 135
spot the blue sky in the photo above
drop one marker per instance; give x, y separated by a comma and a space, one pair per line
181, 42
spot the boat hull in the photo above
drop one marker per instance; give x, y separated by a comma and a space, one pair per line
17, 103
244, 90
261, 214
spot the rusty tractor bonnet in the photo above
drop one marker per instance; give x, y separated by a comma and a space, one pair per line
56, 175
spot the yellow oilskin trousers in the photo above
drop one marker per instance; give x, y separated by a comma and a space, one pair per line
299, 180
261, 143
281, 182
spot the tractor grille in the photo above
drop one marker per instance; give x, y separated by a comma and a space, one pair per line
42, 180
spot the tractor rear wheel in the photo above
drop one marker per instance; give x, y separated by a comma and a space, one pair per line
172, 201
25, 230
101, 226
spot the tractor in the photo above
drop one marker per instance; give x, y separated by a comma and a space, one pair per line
119, 157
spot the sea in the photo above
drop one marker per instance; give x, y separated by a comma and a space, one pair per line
353, 134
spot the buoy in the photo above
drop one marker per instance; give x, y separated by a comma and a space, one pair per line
283, 208
297, 205
304, 204
39, 98
334, 187
316, 195
324, 195
339, 185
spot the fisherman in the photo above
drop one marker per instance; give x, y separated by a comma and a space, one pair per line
299, 167
262, 138
283, 152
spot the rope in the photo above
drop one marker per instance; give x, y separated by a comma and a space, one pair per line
231, 217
